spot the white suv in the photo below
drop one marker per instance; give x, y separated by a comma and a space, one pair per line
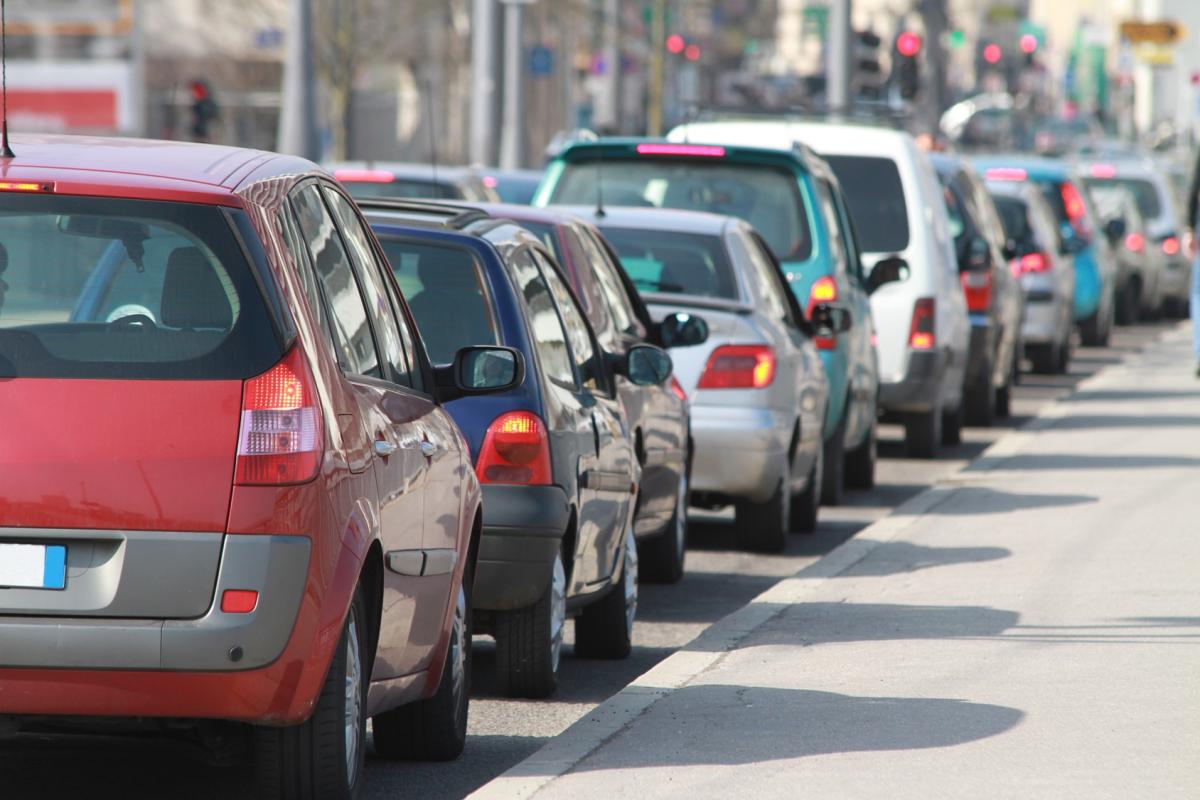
898, 209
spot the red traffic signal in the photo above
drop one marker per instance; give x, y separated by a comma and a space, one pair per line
908, 44
992, 53
1029, 44
675, 44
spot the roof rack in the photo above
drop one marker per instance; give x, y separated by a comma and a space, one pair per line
451, 215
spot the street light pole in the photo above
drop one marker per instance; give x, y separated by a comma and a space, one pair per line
658, 40
837, 66
513, 122
483, 81
297, 126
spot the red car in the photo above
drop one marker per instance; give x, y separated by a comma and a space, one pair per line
230, 492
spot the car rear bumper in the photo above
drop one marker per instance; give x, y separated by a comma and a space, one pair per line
1176, 279
523, 527
740, 452
981, 352
921, 386
1042, 323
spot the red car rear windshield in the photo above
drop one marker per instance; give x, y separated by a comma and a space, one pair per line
127, 289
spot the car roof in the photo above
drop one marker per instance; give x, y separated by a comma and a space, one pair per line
652, 219
1037, 167
413, 171
1130, 166
143, 167
823, 137
622, 146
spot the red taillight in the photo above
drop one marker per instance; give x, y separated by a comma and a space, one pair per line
824, 290
1006, 174
921, 332
1076, 208
1134, 243
239, 601
1033, 262
685, 150
364, 175
677, 389
739, 366
280, 440
1104, 171
25, 186
516, 449
977, 287
1170, 246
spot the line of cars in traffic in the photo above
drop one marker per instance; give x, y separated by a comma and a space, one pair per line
317, 434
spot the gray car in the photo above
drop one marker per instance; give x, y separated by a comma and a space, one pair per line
757, 389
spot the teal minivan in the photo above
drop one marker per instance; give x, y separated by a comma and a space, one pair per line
793, 199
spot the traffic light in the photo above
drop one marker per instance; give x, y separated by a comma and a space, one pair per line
204, 109
1029, 46
867, 78
906, 71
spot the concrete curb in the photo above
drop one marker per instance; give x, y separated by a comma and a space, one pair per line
589, 733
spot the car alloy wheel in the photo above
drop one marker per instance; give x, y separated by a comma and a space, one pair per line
354, 709
679, 530
458, 651
629, 580
558, 611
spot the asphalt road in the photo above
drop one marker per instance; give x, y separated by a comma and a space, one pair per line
503, 732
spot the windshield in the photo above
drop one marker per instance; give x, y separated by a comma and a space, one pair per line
766, 197
1014, 217
876, 198
674, 263
111, 288
444, 290
1145, 194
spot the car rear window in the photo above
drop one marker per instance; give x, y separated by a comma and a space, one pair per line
445, 292
1145, 193
674, 263
767, 197
875, 195
403, 187
127, 289
1014, 215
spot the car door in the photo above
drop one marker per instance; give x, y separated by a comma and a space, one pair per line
613, 478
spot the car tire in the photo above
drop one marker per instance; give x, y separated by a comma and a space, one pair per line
605, 628
833, 478
529, 640
860, 462
322, 758
1129, 302
1094, 331
952, 422
434, 729
980, 399
663, 556
1064, 356
1044, 358
806, 506
763, 527
923, 433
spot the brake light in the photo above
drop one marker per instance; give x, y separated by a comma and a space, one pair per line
921, 332
1134, 243
1170, 246
516, 449
364, 175
701, 150
1103, 171
678, 390
25, 186
977, 287
1033, 262
280, 441
1006, 174
1076, 208
739, 366
824, 290
239, 601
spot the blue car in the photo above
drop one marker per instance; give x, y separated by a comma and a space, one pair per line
1095, 263
553, 455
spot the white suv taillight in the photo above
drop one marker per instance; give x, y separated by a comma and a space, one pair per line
280, 441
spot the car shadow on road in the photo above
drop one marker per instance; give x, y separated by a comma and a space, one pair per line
1121, 396
780, 724
490, 754
1069, 461
1089, 421
898, 558
805, 624
974, 500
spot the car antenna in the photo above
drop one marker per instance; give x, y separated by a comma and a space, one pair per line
600, 212
5, 150
432, 130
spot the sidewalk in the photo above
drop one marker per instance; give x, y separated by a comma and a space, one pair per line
1028, 628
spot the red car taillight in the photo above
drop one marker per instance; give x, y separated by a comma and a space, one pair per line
824, 290
1170, 246
977, 287
1076, 209
516, 449
1033, 262
1134, 243
739, 366
921, 332
280, 441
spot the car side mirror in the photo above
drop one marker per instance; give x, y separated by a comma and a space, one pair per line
682, 330
479, 370
888, 270
829, 320
1114, 229
643, 365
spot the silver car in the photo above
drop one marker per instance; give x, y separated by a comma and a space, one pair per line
1046, 267
758, 391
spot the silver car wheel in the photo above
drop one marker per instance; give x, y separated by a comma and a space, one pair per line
458, 650
353, 700
681, 507
558, 611
629, 580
